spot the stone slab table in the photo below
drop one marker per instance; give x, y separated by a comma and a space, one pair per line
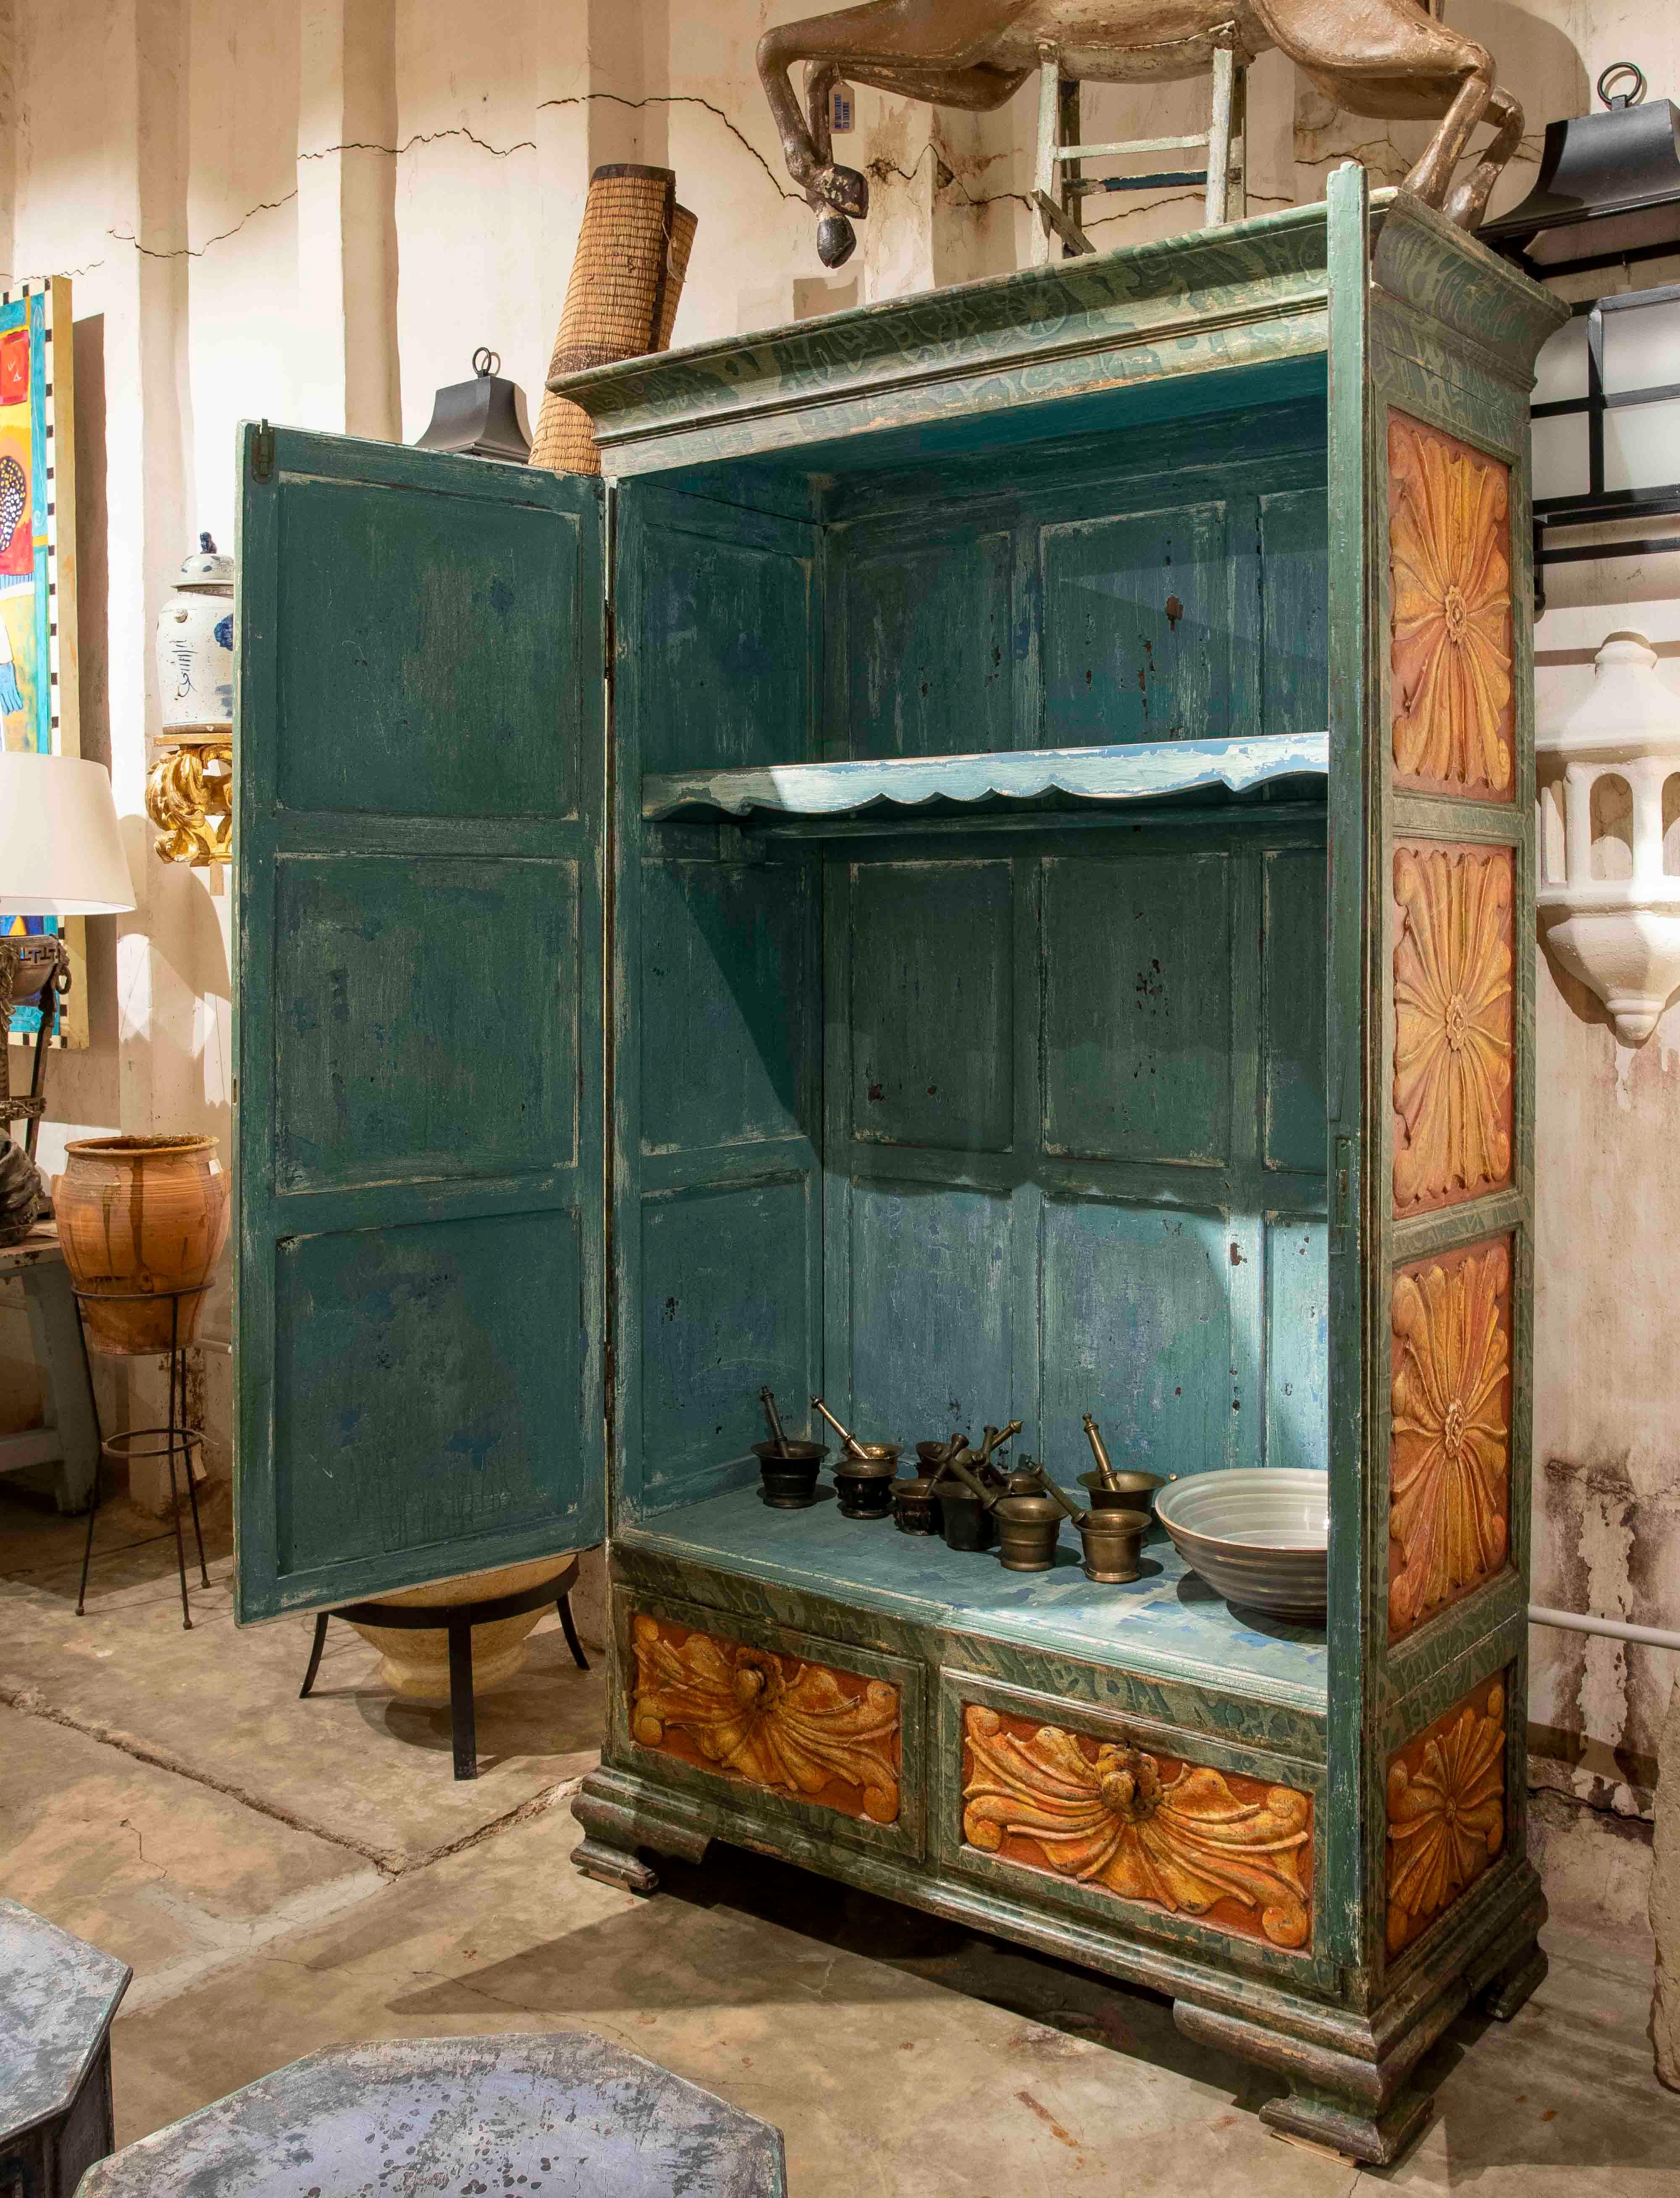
520, 2117
69, 1436
57, 1996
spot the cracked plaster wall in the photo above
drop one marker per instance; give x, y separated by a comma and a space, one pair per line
315, 209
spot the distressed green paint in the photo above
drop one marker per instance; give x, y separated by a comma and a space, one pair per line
978, 656
1293, 916
1135, 632
926, 641
419, 1294
1137, 1007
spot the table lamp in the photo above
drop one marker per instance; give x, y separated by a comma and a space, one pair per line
61, 854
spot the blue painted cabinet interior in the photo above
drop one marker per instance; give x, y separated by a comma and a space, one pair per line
973, 1124
420, 776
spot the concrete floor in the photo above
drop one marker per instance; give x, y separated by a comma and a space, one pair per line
286, 1874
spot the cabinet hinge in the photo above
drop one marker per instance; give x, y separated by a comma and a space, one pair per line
1343, 1209
262, 452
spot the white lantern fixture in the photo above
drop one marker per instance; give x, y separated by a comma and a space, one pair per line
1609, 893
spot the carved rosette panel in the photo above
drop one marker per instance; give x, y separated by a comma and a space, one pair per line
1233, 1851
1453, 1024
1449, 1430
1449, 596
768, 1719
1446, 1812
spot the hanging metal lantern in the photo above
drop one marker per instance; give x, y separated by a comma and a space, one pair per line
1616, 176
1607, 407
484, 418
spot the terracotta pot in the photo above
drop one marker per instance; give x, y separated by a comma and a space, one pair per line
139, 1217
416, 1663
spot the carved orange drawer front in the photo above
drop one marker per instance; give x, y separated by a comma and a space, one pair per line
1232, 1852
768, 1719
1449, 1430
1453, 966
1447, 1811
1449, 604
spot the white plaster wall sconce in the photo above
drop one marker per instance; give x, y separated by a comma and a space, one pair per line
1609, 890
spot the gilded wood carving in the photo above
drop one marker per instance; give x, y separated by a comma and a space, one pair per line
1453, 969
1449, 1435
771, 1720
1448, 538
1232, 1850
189, 793
1446, 1812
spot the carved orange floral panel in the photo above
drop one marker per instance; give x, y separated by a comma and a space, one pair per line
827, 1736
1446, 1812
1234, 1852
1453, 969
1449, 1430
1449, 543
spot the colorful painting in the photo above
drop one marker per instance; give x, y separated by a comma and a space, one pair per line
38, 575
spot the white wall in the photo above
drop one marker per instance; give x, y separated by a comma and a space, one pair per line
317, 209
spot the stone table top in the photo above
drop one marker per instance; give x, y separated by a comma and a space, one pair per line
519, 2117
57, 1996
40, 1244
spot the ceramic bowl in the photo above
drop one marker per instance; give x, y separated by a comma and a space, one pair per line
1257, 1534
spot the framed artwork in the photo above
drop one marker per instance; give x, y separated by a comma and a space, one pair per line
38, 578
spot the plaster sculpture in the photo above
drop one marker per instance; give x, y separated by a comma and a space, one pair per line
1389, 58
1612, 897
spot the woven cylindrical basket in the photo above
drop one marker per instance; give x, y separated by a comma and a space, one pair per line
626, 280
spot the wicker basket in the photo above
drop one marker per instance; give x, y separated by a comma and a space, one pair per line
626, 280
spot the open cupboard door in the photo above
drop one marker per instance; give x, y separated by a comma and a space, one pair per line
420, 758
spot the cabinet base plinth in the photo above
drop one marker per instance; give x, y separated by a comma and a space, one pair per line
1514, 1983
618, 1819
1354, 2106
614, 1866
1375, 2140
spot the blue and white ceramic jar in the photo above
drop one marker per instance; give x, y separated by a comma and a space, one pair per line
194, 643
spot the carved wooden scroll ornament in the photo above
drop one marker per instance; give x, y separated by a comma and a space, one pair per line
1446, 1812
1452, 1024
826, 1736
1186, 1838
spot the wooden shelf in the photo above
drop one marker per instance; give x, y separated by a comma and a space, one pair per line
1137, 771
1166, 1623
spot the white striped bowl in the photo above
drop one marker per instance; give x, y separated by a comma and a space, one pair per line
1257, 1534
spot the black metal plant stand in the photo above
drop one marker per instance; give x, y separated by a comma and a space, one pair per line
457, 1619
178, 1435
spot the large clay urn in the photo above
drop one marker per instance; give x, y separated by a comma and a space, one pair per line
139, 1219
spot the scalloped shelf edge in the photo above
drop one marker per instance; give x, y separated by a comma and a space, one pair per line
1137, 770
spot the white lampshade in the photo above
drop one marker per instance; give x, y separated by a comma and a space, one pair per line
61, 849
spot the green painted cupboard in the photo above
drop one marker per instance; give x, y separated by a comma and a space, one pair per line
986, 871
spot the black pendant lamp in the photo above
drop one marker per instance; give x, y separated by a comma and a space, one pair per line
484, 418
1615, 176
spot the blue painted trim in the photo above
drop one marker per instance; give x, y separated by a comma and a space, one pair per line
1137, 771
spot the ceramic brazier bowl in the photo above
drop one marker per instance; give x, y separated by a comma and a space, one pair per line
1257, 1534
